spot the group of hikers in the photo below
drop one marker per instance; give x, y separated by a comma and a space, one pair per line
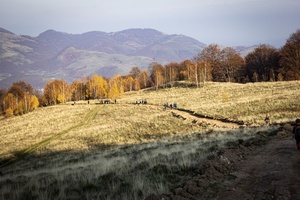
170, 105
143, 101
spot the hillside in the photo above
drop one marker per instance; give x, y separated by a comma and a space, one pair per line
208, 146
36, 59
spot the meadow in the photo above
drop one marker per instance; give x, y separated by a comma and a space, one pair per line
127, 150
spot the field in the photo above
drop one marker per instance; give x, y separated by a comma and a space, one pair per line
127, 150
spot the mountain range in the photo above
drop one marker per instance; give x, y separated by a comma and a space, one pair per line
58, 55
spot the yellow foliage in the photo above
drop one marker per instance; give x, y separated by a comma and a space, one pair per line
20, 107
34, 102
121, 90
114, 92
9, 112
60, 98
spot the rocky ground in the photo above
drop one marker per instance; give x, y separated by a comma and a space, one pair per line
266, 167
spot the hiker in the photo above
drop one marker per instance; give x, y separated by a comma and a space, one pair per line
296, 132
267, 120
175, 105
165, 106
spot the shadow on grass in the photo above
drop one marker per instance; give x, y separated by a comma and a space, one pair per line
110, 171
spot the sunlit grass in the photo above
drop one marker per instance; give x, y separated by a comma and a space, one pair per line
128, 151
241, 102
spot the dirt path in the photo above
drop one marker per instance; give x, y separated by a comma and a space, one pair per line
201, 121
269, 172
265, 167
191, 117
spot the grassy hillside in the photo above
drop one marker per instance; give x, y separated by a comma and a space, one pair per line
85, 62
238, 102
128, 151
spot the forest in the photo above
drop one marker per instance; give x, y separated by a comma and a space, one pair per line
213, 63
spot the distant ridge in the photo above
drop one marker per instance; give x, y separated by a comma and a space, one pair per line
59, 55
2, 30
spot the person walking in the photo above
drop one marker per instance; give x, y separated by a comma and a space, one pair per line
267, 119
296, 132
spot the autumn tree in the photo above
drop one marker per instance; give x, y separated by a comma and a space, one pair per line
171, 72
97, 87
196, 73
2, 96
157, 72
290, 57
18, 99
185, 70
78, 89
113, 92
10, 104
56, 91
17, 91
201, 72
210, 56
116, 88
229, 65
136, 84
263, 63
34, 102
135, 72
128, 81
144, 79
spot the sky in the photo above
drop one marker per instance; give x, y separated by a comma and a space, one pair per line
224, 22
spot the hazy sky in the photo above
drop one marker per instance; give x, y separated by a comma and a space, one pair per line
225, 22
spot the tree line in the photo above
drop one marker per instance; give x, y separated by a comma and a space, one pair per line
264, 63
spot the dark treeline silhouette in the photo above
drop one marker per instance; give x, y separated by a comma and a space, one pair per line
265, 63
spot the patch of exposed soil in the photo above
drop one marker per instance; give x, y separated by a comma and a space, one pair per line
265, 167
202, 121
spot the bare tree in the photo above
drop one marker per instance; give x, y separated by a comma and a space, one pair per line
262, 61
135, 72
210, 56
229, 65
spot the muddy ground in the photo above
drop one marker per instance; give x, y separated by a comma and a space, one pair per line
266, 167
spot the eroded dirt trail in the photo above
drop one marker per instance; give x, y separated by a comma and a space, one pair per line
270, 172
191, 117
202, 121
264, 167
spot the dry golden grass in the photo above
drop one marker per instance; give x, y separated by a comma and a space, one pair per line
246, 102
120, 124
101, 151
113, 125
23, 131
127, 123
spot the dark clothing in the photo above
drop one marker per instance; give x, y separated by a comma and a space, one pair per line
296, 132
